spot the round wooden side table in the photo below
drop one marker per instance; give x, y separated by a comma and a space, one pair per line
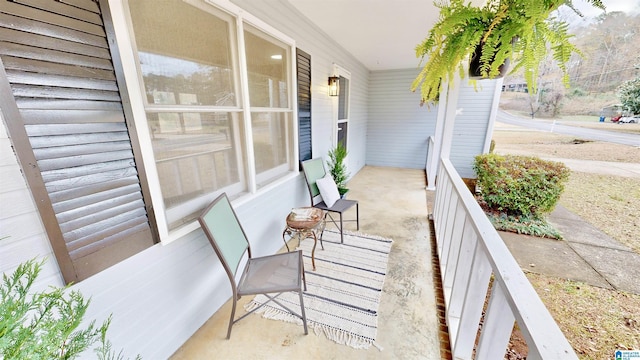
309, 226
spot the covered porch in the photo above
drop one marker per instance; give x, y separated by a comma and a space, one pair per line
452, 291
393, 204
162, 293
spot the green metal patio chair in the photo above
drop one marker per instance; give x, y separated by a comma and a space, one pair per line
313, 170
267, 275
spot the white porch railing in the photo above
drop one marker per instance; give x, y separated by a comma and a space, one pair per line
470, 251
431, 166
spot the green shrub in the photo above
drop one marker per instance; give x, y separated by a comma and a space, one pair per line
520, 185
524, 225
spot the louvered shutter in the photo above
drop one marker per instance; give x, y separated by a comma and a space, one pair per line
67, 123
303, 71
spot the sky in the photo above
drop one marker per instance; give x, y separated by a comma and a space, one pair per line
632, 6
590, 12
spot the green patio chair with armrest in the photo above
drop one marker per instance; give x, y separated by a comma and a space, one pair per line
267, 275
313, 171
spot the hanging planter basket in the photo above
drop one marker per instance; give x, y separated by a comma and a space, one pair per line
474, 66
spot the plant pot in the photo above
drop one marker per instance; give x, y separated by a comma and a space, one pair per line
474, 65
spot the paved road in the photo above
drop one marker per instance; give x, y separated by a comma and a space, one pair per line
585, 133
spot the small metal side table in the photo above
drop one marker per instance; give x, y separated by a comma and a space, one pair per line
307, 227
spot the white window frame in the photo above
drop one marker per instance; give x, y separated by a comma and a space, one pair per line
128, 57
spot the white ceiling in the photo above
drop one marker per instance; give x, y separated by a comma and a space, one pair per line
382, 34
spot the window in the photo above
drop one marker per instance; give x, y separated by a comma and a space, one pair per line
271, 117
212, 128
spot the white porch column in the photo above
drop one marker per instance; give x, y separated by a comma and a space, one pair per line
446, 139
494, 113
434, 164
444, 128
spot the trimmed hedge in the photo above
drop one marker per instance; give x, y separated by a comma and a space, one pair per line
520, 185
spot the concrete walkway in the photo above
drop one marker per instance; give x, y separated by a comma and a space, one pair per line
585, 254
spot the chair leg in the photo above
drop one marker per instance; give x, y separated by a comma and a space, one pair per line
304, 277
304, 315
304, 281
233, 313
357, 217
322, 226
341, 230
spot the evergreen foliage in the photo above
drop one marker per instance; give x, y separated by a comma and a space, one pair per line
46, 325
522, 31
520, 185
337, 167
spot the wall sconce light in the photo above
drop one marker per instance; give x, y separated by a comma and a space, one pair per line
334, 86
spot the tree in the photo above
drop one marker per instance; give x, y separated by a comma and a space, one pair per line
629, 93
608, 46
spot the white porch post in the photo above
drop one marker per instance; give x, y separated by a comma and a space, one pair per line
494, 113
434, 164
444, 128
446, 138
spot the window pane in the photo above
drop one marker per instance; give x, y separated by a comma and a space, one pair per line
343, 101
267, 64
196, 155
183, 50
343, 131
271, 132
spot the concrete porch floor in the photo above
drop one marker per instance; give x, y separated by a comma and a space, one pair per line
393, 203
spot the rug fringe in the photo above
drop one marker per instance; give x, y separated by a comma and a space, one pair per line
343, 337
363, 235
268, 312
336, 335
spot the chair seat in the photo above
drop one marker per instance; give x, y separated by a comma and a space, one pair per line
340, 206
271, 274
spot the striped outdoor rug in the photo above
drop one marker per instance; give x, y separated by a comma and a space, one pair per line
343, 293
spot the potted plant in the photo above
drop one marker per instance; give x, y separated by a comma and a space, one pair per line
338, 169
522, 31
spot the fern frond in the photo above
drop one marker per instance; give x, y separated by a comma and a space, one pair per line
516, 30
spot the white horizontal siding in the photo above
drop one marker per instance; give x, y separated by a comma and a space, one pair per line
398, 126
22, 235
471, 125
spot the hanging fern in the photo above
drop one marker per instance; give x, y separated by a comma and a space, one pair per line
521, 31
